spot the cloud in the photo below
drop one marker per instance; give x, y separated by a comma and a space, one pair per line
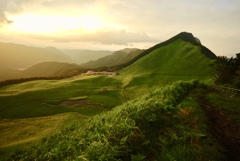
214, 22
3, 18
118, 37
104, 36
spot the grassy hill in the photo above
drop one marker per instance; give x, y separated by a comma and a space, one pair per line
14, 56
117, 58
45, 69
48, 69
179, 60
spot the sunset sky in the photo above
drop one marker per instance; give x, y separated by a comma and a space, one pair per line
116, 24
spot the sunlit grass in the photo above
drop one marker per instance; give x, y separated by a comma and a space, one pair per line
179, 60
19, 131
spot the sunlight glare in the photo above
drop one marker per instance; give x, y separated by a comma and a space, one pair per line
30, 23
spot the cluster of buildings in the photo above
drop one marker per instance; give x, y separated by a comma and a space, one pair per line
90, 72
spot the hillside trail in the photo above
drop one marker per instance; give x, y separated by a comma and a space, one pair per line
223, 128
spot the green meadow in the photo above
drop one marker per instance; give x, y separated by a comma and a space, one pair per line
32, 110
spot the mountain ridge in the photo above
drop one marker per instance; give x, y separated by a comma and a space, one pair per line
175, 61
188, 37
16, 56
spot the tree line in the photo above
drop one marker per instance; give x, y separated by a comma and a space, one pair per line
226, 71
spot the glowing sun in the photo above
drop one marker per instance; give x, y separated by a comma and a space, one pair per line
52, 24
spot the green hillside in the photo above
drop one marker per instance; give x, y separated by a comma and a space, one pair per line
117, 58
185, 36
179, 60
48, 69
45, 69
48, 105
43, 98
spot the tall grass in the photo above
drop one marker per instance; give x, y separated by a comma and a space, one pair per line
149, 128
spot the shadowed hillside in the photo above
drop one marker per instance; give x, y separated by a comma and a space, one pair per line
83, 56
115, 59
45, 69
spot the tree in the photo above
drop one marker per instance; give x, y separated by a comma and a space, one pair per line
224, 70
237, 77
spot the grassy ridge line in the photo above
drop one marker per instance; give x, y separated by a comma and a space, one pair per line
179, 57
188, 37
134, 131
179, 60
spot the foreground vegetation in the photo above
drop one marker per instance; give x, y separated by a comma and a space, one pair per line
154, 127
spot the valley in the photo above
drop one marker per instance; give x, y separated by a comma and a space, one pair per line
151, 108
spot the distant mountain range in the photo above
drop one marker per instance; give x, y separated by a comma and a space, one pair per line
83, 56
14, 56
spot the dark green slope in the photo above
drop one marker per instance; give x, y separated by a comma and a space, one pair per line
115, 59
179, 60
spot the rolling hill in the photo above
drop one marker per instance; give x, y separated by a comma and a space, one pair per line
45, 69
179, 58
48, 105
14, 56
185, 36
117, 58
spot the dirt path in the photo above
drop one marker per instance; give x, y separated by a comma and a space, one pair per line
223, 129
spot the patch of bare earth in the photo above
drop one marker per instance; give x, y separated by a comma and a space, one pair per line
224, 129
79, 103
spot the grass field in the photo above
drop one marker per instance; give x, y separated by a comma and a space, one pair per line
32, 110
43, 98
19, 131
